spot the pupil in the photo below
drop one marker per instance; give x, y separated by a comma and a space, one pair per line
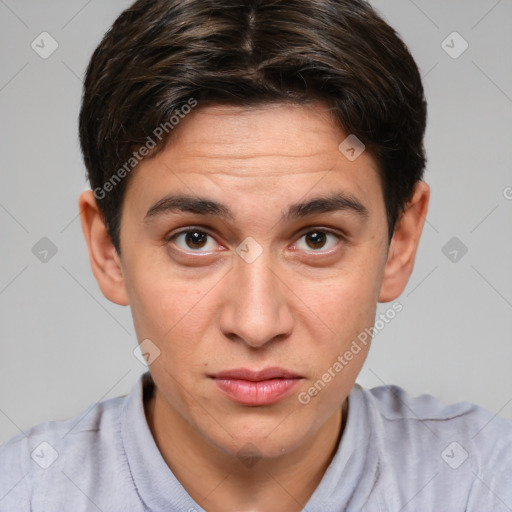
317, 237
196, 238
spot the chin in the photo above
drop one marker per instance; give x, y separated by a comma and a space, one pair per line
268, 439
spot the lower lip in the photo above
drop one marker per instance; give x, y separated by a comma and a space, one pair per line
265, 392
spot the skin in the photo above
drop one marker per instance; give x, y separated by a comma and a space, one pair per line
298, 306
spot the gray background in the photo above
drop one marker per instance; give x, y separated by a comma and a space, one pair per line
64, 346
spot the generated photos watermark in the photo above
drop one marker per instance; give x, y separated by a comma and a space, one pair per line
344, 359
145, 149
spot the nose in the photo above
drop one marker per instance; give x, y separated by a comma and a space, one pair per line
256, 309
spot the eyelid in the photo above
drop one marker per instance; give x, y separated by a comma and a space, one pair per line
335, 232
186, 229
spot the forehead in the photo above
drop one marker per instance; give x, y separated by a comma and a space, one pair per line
278, 131
279, 151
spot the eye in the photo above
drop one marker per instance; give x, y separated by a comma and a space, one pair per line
193, 239
197, 240
318, 239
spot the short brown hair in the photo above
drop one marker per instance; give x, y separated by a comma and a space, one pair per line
161, 53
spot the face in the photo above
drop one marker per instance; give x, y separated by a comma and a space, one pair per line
252, 243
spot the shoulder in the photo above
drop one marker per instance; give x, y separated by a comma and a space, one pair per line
39, 464
400, 411
460, 453
96, 420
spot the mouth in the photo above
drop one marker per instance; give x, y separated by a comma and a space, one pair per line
256, 388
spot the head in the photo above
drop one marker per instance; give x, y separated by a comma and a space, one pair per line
256, 174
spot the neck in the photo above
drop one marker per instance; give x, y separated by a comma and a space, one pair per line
218, 481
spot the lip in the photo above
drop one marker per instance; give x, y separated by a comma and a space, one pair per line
256, 388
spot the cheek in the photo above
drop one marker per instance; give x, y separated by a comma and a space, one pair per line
348, 304
164, 307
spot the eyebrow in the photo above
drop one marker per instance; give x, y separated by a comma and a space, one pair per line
340, 201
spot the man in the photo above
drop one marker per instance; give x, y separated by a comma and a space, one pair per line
256, 189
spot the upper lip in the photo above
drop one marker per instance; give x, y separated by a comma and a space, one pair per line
256, 376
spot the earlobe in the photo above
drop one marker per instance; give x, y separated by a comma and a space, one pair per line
404, 244
105, 262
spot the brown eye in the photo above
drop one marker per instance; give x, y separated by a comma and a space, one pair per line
193, 240
315, 239
318, 239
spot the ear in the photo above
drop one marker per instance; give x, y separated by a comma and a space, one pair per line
402, 250
105, 262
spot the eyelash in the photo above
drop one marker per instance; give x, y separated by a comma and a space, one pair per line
199, 229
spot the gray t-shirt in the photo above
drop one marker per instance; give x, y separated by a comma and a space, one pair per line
397, 453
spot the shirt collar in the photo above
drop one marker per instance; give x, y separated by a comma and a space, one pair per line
155, 483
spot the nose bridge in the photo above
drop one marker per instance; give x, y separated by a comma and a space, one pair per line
255, 311
257, 282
